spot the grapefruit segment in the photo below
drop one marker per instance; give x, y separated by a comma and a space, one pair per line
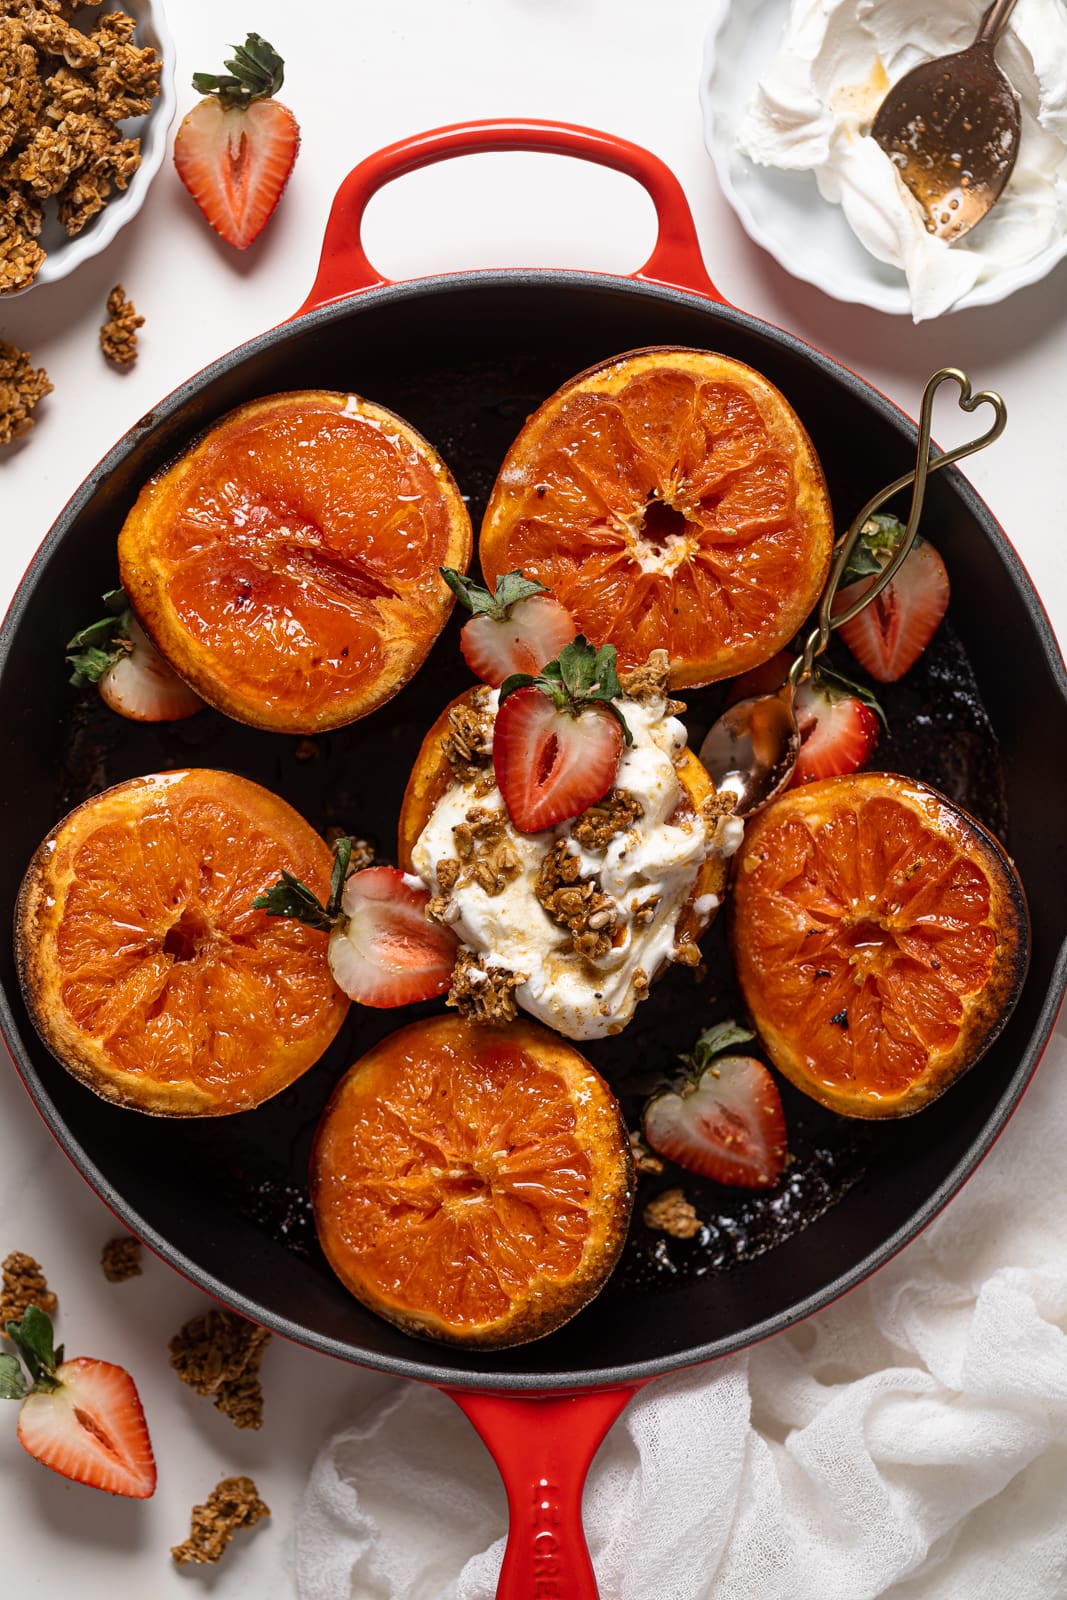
147, 971
881, 940
287, 564
472, 1185
670, 498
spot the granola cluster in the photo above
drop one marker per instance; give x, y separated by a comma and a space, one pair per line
120, 1259
219, 1354
233, 1503
651, 681
484, 855
618, 811
118, 336
63, 93
468, 744
670, 1212
20, 388
576, 903
715, 810
24, 1285
645, 1160
482, 993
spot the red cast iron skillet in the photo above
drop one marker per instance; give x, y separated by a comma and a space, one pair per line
465, 357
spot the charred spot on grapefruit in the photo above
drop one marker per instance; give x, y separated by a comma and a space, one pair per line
671, 499
472, 1185
286, 564
144, 966
881, 939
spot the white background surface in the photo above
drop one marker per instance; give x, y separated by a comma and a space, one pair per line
358, 77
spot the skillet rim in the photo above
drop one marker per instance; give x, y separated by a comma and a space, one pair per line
606, 1376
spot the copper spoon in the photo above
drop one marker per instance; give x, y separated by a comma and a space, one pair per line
951, 129
753, 747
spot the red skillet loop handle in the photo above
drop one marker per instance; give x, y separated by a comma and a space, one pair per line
543, 1446
344, 268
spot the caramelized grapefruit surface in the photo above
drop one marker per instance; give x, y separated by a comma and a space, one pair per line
472, 1185
670, 498
287, 564
880, 937
146, 970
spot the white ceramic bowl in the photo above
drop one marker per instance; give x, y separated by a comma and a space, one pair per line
65, 253
784, 211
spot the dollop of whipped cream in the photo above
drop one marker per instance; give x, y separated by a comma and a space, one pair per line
656, 858
813, 111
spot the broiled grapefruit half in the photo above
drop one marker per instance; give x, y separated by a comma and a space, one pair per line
881, 939
470, 1184
671, 499
144, 966
286, 564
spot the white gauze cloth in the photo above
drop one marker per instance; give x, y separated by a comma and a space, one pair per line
910, 1440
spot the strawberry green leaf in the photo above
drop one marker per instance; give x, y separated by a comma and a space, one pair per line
256, 72
715, 1041
829, 677
517, 680
342, 855
291, 898
877, 543
510, 589
96, 648
581, 676
13, 1385
32, 1338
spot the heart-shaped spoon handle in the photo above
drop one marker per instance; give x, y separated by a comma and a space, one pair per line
819, 638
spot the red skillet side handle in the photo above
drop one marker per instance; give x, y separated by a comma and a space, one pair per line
344, 268
543, 1446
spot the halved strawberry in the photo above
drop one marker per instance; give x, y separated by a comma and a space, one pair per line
234, 151
724, 1120
838, 720
83, 1418
892, 632
838, 728
133, 678
382, 951
558, 737
518, 628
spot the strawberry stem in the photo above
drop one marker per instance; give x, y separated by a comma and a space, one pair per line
96, 648
510, 589
256, 72
291, 898
13, 1385
581, 676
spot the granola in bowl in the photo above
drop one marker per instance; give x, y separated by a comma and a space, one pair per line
86, 99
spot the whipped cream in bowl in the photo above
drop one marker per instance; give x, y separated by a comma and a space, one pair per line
572, 924
790, 90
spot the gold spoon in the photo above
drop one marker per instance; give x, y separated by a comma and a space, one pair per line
951, 129
753, 747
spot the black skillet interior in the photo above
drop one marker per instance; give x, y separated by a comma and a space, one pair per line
465, 359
